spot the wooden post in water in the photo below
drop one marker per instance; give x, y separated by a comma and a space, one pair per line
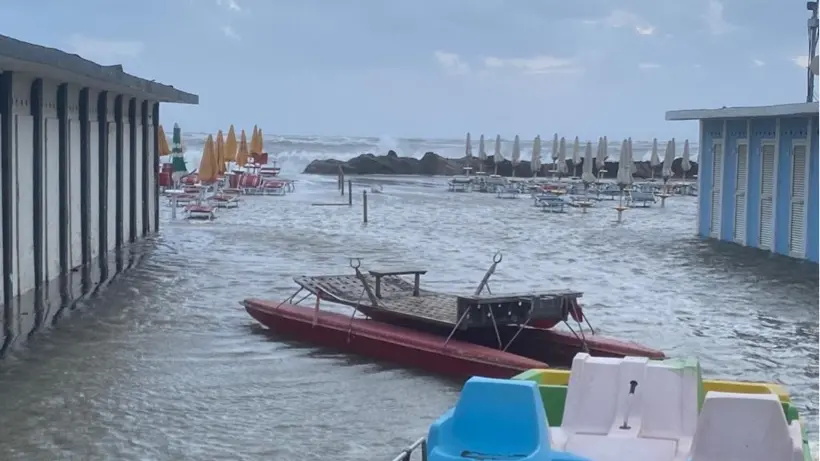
350, 192
364, 206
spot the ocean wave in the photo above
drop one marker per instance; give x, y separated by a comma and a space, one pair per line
294, 153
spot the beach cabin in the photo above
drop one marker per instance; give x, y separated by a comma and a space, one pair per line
757, 177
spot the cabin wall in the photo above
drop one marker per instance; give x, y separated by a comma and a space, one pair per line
62, 149
812, 237
775, 198
711, 131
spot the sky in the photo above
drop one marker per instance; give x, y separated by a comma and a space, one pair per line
439, 68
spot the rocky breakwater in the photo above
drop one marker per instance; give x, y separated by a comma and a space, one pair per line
432, 164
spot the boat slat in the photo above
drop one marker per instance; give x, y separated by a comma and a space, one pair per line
397, 299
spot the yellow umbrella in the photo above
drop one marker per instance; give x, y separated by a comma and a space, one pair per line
220, 152
163, 143
242, 153
230, 145
207, 164
260, 143
253, 140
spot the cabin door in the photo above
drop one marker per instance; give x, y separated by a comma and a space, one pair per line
717, 187
741, 183
797, 218
766, 197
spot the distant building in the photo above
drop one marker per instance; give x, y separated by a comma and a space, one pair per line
758, 181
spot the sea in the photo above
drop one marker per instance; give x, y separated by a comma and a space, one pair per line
165, 365
295, 152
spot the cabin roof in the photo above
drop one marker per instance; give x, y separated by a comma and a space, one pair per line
20, 56
779, 110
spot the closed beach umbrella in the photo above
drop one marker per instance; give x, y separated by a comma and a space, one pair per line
516, 151
207, 164
230, 145
177, 137
601, 159
562, 156
587, 175
684, 161
164, 149
654, 159
220, 153
497, 155
261, 141
482, 153
624, 176
177, 159
668, 158
468, 148
555, 148
535, 161
576, 155
252, 146
242, 154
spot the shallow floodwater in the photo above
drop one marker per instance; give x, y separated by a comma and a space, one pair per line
164, 364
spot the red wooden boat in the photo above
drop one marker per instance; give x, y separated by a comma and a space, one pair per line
516, 323
392, 343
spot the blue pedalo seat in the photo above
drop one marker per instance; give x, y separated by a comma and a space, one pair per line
495, 419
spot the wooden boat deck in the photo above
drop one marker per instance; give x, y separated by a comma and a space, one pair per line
397, 299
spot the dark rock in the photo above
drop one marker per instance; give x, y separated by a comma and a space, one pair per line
434, 165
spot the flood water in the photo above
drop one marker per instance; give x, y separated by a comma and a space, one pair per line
165, 365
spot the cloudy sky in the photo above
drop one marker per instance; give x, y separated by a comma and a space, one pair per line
439, 68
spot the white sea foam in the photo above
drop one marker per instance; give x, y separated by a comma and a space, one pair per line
294, 153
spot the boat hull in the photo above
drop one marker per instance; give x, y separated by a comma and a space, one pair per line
556, 347
391, 343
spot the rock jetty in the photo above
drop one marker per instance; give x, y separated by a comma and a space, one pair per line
432, 164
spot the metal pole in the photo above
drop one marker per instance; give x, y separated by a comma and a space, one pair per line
364, 206
342, 184
350, 192
813, 28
